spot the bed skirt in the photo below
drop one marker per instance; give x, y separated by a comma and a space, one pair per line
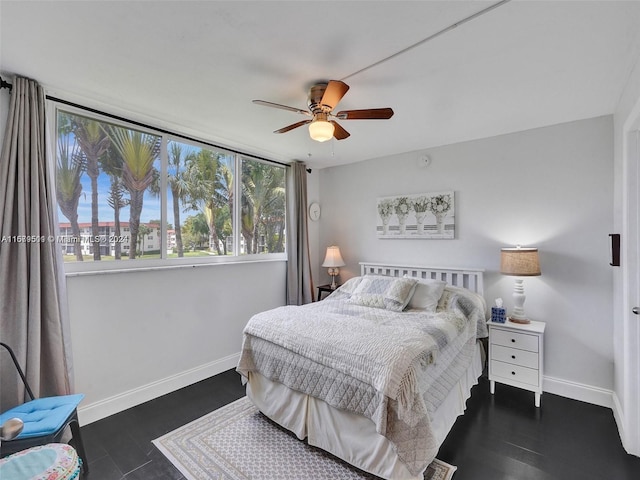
350, 436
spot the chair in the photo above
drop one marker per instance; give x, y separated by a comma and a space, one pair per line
45, 420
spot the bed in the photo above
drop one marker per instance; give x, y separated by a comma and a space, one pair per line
378, 371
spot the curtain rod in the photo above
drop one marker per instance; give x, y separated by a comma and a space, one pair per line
161, 130
7, 85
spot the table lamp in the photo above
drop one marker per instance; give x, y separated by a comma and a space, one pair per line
333, 260
519, 262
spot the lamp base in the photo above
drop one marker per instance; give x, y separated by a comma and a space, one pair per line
333, 271
522, 321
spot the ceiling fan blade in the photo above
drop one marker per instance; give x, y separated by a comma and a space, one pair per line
333, 93
282, 107
292, 126
339, 133
366, 114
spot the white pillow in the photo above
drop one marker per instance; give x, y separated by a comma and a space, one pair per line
390, 293
350, 285
427, 294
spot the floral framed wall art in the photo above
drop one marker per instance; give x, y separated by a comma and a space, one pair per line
422, 216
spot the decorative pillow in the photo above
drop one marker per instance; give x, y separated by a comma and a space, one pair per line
350, 285
390, 293
454, 297
427, 294
448, 296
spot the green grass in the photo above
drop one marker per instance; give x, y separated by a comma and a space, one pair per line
148, 256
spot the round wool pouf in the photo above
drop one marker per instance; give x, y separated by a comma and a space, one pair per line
57, 461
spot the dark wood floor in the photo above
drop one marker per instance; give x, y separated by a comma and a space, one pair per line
501, 437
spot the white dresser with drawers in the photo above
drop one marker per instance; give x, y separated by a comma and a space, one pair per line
516, 355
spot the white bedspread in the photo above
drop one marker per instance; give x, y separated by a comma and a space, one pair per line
371, 361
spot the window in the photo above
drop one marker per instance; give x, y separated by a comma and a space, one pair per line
106, 181
262, 207
128, 193
200, 188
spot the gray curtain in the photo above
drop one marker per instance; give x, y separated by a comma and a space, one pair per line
299, 280
33, 309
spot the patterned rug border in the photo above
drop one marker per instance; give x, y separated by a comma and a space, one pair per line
175, 445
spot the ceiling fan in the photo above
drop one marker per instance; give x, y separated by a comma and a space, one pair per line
323, 98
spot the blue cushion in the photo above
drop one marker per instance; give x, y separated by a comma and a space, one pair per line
43, 416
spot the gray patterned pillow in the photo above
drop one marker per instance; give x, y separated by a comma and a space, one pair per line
390, 293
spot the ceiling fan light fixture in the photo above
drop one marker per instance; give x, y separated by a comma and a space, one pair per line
320, 129
323, 98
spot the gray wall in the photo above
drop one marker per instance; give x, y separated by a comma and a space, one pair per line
140, 334
550, 187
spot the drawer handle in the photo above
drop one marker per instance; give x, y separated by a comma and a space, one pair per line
513, 373
513, 356
513, 340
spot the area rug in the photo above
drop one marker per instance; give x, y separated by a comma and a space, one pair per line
237, 442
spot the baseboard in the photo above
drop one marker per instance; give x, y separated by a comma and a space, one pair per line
117, 403
578, 391
618, 415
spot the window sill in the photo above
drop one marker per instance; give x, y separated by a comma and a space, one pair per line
90, 268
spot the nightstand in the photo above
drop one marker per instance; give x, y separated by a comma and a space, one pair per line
516, 355
325, 289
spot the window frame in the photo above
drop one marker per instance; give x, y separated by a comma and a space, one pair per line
138, 264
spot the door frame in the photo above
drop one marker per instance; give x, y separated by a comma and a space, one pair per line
631, 281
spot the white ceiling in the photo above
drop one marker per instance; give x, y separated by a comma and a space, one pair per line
196, 66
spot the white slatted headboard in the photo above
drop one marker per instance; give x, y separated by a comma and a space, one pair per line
469, 278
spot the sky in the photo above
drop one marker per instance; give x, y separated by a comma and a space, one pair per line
151, 209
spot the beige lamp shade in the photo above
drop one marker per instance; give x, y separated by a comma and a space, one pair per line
520, 262
333, 260
333, 257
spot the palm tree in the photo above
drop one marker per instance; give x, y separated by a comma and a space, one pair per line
69, 168
112, 165
262, 190
246, 220
225, 198
203, 191
179, 189
117, 201
274, 215
94, 143
138, 151
143, 231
